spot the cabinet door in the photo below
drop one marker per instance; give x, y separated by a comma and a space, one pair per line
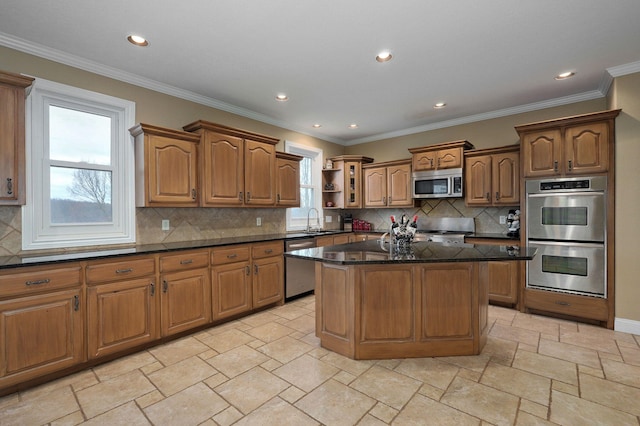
506, 179
587, 148
222, 170
259, 173
449, 158
268, 280
477, 191
186, 300
172, 175
502, 280
353, 185
231, 289
287, 183
375, 187
40, 334
425, 161
399, 186
12, 127
121, 315
542, 153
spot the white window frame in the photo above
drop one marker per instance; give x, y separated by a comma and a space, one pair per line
37, 230
316, 169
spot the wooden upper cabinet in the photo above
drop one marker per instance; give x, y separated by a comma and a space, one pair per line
222, 171
166, 167
287, 179
441, 156
568, 146
259, 173
347, 176
492, 176
238, 168
387, 184
12, 128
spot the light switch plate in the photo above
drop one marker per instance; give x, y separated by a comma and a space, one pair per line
503, 220
328, 219
258, 221
165, 224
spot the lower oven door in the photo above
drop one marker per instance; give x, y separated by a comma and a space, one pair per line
578, 268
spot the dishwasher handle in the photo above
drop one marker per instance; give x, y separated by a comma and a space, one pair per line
308, 244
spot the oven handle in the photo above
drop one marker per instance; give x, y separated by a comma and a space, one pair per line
565, 194
565, 243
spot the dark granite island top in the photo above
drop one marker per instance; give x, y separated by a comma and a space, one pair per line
429, 300
373, 252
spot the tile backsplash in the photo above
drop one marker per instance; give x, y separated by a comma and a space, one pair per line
207, 223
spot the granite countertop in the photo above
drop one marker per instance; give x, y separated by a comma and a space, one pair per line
92, 254
373, 252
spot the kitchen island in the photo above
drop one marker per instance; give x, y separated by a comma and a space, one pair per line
374, 301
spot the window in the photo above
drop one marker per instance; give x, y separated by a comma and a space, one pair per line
310, 187
79, 169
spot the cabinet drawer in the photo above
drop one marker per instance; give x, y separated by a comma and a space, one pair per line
231, 254
124, 269
272, 248
31, 280
567, 304
182, 261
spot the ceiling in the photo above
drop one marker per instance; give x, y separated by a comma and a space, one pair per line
484, 59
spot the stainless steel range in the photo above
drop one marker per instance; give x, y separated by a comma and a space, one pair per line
446, 230
566, 222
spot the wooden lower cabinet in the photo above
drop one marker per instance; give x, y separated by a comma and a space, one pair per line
231, 284
40, 334
121, 315
268, 280
503, 278
185, 300
568, 305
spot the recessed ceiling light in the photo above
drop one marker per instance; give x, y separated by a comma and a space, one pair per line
282, 97
565, 75
353, 126
317, 125
137, 40
384, 56
439, 105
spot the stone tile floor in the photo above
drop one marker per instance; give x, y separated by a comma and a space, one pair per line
268, 369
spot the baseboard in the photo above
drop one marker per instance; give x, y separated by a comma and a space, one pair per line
627, 326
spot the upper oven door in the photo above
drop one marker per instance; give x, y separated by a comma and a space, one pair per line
577, 216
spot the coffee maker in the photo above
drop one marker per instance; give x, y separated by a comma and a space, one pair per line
513, 223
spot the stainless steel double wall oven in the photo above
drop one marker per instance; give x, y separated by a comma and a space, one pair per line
567, 223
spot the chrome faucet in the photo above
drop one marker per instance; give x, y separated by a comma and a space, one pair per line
317, 219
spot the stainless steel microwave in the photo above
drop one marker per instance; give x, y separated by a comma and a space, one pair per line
445, 183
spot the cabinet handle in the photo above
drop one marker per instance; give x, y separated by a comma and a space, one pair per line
384, 200
186, 261
555, 166
278, 198
488, 197
255, 269
430, 162
124, 271
389, 199
165, 286
153, 288
240, 196
247, 270
9, 186
497, 196
570, 165
561, 303
248, 196
193, 193
268, 251
38, 282
76, 303
232, 256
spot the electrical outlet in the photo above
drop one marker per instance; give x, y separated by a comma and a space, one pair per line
503, 220
328, 219
258, 221
165, 224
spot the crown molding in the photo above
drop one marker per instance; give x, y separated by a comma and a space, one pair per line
624, 69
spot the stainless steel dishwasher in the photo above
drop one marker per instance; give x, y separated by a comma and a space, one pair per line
300, 273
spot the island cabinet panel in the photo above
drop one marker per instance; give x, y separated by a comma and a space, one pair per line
335, 322
387, 313
40, 334
447, 294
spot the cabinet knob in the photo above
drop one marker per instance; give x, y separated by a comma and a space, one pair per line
9, 186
